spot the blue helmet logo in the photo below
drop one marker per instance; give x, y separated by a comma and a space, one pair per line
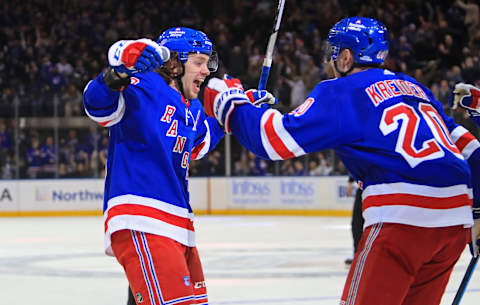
366, 37
184, 40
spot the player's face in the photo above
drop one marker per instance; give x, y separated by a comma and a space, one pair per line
196, 71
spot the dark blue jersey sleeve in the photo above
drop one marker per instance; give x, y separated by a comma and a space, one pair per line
101, 104
319, 123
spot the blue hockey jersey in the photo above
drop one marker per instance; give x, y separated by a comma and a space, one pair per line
154, 133
393, 137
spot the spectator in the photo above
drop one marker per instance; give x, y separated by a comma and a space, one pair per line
64, 67
471, 15
7, 168
71, 99
299, 92
5, 137
299, 168
256, 166
31, 72
448, 52
48, 156
444, 93
35, 160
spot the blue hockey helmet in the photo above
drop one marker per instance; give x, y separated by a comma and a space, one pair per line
366, 37
184, 40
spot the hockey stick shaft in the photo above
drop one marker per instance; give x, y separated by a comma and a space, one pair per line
465, 280
267, 62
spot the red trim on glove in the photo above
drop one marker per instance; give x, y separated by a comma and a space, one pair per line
132, 52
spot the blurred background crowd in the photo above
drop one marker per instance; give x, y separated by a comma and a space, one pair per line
50, 49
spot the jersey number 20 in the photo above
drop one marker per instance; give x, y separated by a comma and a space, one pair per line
431, 148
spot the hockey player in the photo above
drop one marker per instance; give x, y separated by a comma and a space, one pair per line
148, 98
396, 141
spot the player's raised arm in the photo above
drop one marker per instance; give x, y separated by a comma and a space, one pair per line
263, 130
102, 98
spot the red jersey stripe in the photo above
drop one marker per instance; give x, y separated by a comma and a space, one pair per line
141, 210
276, 142
196, 150
417, 201
464, 140
104, 123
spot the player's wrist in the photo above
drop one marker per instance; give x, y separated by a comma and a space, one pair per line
114, 80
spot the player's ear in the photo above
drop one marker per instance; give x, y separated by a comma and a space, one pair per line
350, 58
345, 60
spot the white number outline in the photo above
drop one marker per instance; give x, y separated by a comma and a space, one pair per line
408, 131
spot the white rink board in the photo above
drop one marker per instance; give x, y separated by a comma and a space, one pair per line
278, 193
52, 195
206, 194
9, 200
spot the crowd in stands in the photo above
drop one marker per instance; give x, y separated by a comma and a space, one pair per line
49, 49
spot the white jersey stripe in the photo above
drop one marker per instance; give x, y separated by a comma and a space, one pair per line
457, 133
146, 224
207, 141
283, 137
470, 148
149, 202
112, 119
272, 154
416, 189
288, 140
417, 216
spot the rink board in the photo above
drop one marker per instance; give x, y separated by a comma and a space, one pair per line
215, 196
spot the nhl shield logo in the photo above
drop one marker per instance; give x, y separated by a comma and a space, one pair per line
186, 280
139, 297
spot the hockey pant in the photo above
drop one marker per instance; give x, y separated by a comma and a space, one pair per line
160, 270
399, 264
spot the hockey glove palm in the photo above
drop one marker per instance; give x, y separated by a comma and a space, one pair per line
136, 56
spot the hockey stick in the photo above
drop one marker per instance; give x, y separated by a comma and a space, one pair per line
465, 280
267, 62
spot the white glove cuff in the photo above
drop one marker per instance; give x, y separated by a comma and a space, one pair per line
224, 104
115, 52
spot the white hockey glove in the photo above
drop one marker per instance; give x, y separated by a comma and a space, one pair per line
466, 96
214, 87
136, 56
221, 96
260, 97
